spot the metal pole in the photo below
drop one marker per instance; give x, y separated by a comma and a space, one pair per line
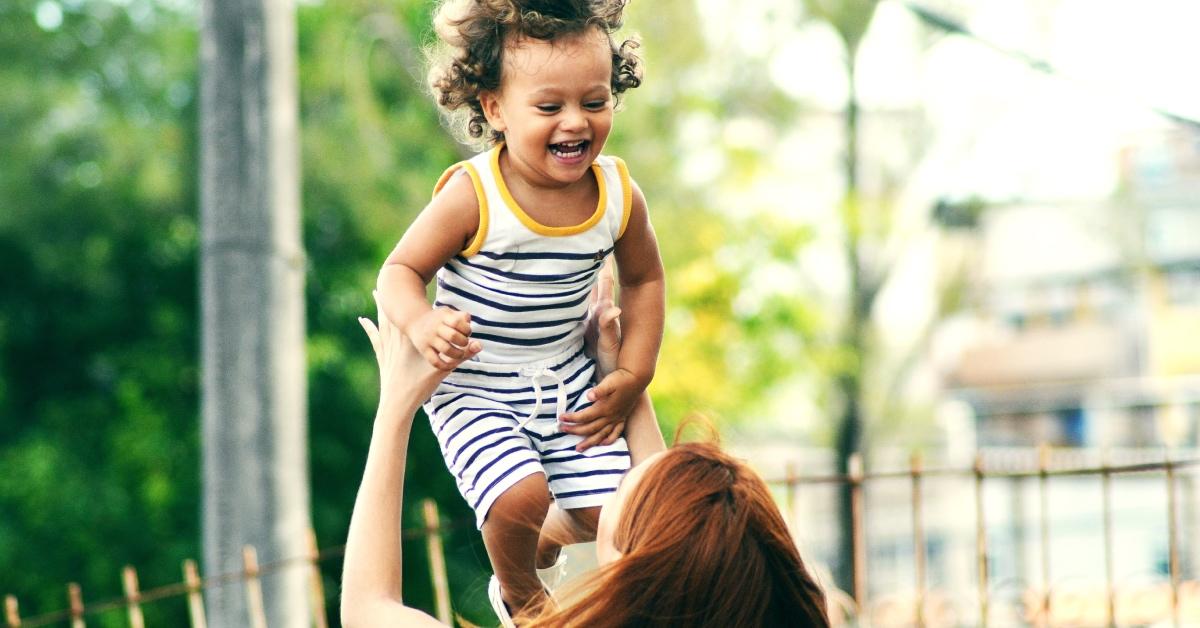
981, 556
1044, 493
1109, 576
1173, 539
858, 533
918, 531
253, 405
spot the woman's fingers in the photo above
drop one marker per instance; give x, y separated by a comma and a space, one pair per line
605, 282
372, 333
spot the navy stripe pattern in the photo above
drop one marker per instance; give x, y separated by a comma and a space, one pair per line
526, 289
474, 417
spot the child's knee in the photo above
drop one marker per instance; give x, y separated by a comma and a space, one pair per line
525, 502
586, 519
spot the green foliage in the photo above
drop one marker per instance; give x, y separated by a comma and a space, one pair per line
98, 452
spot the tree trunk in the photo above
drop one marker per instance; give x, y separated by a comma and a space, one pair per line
254, 400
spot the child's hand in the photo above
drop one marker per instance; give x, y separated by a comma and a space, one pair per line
604, 421
441, 335
403, 373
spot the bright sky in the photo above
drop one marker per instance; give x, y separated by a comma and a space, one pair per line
1002, 129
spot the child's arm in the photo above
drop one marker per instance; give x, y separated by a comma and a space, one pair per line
443, 228
642, 306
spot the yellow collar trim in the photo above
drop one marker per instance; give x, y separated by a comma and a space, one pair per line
536, 226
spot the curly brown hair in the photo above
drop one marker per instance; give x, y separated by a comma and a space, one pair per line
473, 34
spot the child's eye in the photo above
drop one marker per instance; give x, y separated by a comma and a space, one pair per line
596, 104
547, 108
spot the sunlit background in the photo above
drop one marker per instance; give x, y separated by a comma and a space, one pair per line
1011, 259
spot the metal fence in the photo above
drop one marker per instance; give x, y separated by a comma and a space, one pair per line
1176, 604
1044, 605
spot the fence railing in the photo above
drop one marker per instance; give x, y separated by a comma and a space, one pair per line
250, 577
1040, 601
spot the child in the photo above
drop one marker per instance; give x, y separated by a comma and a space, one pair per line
516, 237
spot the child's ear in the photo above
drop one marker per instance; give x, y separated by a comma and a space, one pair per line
489, 101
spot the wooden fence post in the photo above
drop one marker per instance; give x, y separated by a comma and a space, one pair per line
437, 561
316, 586
918, 531
859, 536
1044, 618
254, 594
75, 599
12, 615
133, 597
191, 576
981, 551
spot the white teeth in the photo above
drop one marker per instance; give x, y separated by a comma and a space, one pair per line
568, 149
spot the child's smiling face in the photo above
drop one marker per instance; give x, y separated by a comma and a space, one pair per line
554, 105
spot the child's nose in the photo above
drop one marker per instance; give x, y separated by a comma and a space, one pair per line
574, 120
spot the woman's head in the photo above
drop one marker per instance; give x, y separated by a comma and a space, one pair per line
481, 40
693, 537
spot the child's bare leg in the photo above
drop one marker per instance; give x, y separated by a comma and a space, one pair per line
565, 527
511, 536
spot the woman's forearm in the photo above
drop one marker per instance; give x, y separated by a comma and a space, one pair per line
642, 432
642, 311
371, 572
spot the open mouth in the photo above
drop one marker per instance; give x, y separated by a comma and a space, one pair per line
569, 150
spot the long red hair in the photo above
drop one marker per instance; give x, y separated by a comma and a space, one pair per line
702, 544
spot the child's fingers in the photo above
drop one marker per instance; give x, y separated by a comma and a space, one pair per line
595, 439
432, 357
458, 321
618, 429
590, 427
587, 415
469, 352
452, 335
601, 390
447, 349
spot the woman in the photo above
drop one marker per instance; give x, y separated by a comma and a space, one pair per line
691, 537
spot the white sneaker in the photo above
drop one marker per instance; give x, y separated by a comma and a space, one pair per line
554, 575
498, 606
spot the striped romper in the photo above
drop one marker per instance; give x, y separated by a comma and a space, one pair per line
526, 287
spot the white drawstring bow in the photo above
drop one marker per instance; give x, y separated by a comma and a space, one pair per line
533, 373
